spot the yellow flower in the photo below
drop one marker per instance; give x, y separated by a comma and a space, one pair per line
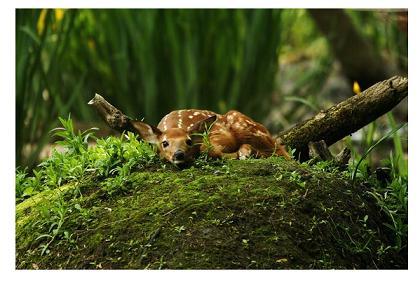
41, 21
59, 14
356, 88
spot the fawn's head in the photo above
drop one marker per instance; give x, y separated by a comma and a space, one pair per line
177, 145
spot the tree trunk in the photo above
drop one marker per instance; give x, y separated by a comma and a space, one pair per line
358, 57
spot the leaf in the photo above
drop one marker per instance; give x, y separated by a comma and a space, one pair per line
43, 236
28, 191
31, 34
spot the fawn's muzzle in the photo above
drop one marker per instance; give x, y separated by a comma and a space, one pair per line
179, 156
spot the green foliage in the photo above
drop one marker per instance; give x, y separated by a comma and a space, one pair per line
45, 87
399, 164
392, 132
52, 217
393, 201
297, 178
27, 186
75, 143
391, 194
110, 157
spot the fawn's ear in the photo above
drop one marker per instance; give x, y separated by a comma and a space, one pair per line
203, 125
147, 132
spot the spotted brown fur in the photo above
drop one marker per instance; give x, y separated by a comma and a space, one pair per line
231, 135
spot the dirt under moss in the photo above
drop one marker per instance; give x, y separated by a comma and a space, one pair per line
253, 214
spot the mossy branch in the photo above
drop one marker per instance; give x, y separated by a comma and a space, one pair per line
346, 117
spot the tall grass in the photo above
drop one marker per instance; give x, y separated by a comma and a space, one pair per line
146, 62
41, 90
166, 59
401, 162
373, 146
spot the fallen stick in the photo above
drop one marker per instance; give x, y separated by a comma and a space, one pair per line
112, 116
346, 117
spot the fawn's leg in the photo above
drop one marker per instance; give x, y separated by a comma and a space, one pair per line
217, 152
245, 151
223, 145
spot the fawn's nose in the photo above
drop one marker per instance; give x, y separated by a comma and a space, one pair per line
178, 155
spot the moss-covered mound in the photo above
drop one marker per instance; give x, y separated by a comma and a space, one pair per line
253, 214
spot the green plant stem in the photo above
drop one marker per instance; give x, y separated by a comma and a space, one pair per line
393, 131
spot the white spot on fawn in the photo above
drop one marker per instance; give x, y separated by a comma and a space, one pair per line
250, 122
190, 126
238, 126
179, 125
196, 113
260, 134
191, 116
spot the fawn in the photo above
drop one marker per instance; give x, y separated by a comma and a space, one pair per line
179, 136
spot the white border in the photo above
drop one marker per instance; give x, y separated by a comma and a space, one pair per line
213, 4
7, 112
7, 163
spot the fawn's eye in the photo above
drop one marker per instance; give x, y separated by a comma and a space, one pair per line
165, 143
189, 142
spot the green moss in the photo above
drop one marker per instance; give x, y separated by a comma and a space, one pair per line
255, 214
